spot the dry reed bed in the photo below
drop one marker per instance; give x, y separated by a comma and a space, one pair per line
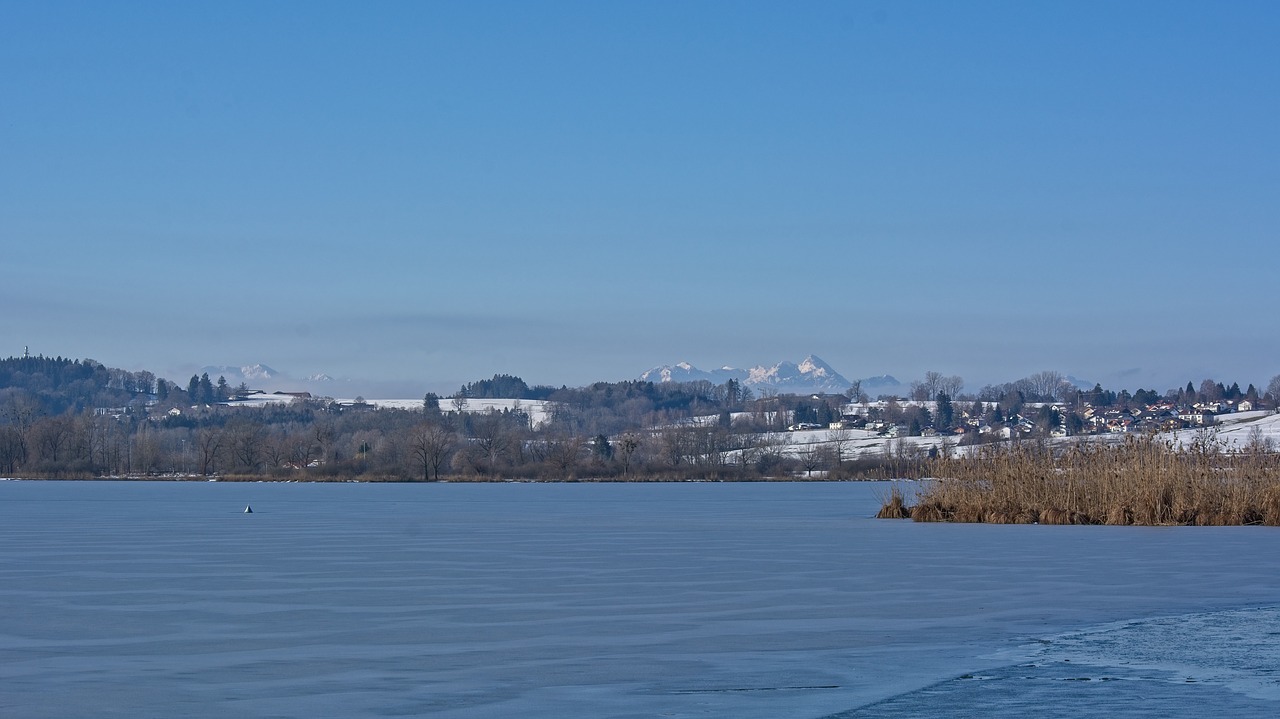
1142, 481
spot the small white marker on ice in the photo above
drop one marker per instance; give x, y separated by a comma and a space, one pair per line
248, 509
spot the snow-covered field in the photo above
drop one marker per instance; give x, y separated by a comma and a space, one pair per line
1233, 431
537, 409
1236, 431
612, 601
860, 443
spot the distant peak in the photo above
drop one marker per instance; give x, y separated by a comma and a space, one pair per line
814, 365
258, 371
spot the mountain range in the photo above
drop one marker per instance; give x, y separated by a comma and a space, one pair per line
249, 374
809, 375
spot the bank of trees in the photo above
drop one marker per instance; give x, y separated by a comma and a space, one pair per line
64, 418
315, 440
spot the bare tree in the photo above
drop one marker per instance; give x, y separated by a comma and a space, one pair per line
950, 386
769, 451
814, 457
492, 438
747, 449
301, 450
626, 449
840, 440
324, 435
430, 444
712, 446
21, 411
1258, 443
892, 412
1046, 384
209, 442
275, 449
112, 445
675, 445
145, 452
11, 455
247, 444
51, 437
935, 383
563, 454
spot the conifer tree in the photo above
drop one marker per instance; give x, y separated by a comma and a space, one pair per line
946, 413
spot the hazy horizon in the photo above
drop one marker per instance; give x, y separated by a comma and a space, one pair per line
425, 195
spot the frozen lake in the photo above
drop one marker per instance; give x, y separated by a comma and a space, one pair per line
157, 599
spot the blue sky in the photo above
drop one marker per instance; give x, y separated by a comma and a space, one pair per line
430, 193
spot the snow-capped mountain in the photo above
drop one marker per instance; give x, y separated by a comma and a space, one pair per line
810, 375
685, 372
248, 374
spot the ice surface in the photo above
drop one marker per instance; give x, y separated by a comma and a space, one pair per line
1208, 663
597, 600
